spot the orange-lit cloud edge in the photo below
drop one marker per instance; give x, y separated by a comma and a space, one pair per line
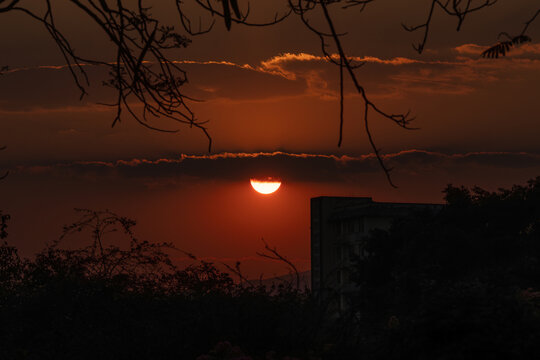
274, 65
457, 76
288, 166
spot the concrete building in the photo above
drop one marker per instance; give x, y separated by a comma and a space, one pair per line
338, 225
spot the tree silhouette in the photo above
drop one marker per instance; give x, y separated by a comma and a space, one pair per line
457, 283
116, 295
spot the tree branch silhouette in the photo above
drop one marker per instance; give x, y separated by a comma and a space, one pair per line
139, 259
142, 71
301, 7
503, 47
273, 254
455, 8
236, 16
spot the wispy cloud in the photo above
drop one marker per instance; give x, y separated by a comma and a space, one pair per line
293, 75
525, 50
290, 166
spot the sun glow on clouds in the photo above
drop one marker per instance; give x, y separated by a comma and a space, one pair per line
265, 187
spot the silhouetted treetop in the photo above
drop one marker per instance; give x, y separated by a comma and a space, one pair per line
457, 283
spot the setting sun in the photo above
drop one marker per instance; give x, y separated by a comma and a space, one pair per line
265, 187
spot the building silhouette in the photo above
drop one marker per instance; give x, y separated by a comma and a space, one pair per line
338, 226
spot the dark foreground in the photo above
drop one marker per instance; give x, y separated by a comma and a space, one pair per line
460, 284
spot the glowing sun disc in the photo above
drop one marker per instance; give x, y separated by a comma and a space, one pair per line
265, 186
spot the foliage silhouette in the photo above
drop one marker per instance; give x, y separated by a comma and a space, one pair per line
503, 47
4, 218
108, 300
458, 283
455, 284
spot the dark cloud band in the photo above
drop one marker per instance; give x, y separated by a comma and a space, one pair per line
290, 166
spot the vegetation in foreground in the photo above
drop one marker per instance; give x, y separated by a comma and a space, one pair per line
460, 284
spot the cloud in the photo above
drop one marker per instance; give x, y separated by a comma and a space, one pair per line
279, 64
49, 88
470, 49
319, 75
288, 166
288, 76
528, 50
461, 75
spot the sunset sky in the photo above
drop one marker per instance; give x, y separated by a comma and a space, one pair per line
273, 109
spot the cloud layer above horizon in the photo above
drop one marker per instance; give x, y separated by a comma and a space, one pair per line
460, 71
290, 167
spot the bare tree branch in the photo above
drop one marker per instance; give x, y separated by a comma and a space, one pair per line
142, 72
238, 272
301, 7
138, 259
9, 6
273, 254
455, 8
225, 13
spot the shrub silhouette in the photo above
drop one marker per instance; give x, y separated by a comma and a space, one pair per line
131, 301
460, 284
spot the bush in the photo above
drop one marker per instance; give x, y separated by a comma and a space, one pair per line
109, 301
454, 284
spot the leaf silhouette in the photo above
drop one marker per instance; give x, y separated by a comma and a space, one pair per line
503, 47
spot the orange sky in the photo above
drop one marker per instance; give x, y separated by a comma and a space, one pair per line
273, 109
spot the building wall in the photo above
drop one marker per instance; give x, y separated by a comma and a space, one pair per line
328, 239
338, 225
